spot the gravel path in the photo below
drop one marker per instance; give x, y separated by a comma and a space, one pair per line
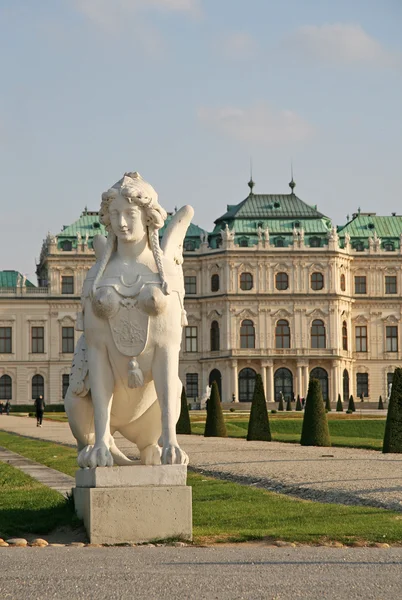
341, 475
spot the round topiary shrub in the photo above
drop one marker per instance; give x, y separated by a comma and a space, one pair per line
273, 411
315, 425
258, 425
215, 423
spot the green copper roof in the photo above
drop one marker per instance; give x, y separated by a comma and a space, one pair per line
363, 226
88, 223
8, 279
270, 206
277, 226
193, 235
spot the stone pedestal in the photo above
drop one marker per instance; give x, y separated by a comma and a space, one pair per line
134, 503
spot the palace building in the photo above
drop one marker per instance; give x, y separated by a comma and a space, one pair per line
274, 289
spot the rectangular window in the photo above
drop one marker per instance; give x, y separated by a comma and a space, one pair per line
65, 383
38, 340
5, 340
361, 338
392, 338
192, 385
360, 285
362, 385
191, 339
390, 284
190, 284
67, 340
67, 284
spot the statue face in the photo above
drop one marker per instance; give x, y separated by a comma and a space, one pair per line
127, 220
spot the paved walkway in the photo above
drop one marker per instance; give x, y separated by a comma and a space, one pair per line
54, 479
342, 475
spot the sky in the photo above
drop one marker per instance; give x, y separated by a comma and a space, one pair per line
188, 92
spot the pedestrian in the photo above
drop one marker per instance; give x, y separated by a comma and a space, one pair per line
39, 407
1, 408
8, 406
303, 401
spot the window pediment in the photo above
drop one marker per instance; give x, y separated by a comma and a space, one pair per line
213, 314
360, 319
246, 313
391, 319
281, 314
317, 313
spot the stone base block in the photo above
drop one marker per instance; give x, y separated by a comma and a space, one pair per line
145, 504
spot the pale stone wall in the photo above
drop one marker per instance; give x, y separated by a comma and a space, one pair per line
21, 309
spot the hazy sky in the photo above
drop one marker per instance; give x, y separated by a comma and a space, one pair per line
185, 92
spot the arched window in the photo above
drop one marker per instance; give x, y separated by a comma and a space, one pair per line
358, 246
282, 334
343, 283
246, 281
344, 336
322, 376
189, 245
66, 246
246, 384
215, 375
6, 387
38, 386
281, 281
315, 242
388, 246
283, 383
215, 283
318, 334
247, 334
279, 242
243, 242
345, 379
317, 281
215, 341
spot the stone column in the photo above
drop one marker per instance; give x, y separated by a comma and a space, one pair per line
299, 387
264, 378
270, 383
306, 380
235, 383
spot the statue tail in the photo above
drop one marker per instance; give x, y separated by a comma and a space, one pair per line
119, 458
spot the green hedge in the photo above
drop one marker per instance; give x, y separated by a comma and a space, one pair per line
31, 408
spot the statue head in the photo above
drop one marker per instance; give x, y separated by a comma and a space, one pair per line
130, 210
131, 206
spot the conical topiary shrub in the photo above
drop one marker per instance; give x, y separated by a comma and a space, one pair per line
328, 404
258, 425
215, 424
298, 404
339, 405
380, 403
280, 403
351, 405
288, 405
393, 425
183, 425
315, 425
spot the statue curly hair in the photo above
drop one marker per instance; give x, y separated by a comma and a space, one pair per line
138, 191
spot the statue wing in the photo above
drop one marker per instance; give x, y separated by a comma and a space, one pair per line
172, 242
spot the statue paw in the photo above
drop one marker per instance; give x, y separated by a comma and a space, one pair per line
174, 455
151, 455
95, 456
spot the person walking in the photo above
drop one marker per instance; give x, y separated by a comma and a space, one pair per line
1, 408
39, 407
8, 407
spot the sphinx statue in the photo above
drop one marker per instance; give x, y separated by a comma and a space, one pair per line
124, 375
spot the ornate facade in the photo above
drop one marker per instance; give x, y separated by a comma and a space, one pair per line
273, 289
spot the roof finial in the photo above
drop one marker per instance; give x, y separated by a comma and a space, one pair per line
251, 183
292, 184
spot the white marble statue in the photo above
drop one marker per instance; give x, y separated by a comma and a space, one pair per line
124, 375
206, 395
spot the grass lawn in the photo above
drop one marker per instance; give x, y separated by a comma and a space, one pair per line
27, 506
355, 432
222, 511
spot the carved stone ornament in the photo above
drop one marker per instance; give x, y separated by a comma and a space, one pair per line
132, 317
